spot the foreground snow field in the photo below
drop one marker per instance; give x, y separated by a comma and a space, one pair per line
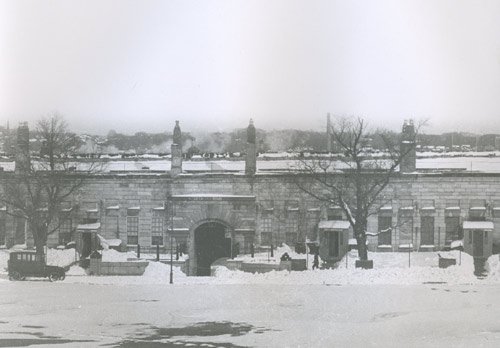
214, 315
391, 305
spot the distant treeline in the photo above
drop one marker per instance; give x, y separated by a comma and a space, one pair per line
235, 142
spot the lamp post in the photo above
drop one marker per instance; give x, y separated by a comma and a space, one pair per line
171, 241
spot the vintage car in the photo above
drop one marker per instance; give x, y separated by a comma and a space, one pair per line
22, 264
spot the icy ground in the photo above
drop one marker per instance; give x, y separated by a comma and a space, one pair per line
63, 314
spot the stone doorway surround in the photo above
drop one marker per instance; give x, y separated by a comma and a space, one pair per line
237, 213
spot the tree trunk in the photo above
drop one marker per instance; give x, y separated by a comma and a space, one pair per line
359, 233
40, 239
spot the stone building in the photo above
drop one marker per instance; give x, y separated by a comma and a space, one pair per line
213, 214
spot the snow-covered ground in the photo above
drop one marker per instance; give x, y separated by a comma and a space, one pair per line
62, 314
389, 268
395, 304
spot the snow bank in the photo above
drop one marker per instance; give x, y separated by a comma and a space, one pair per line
111, 255
278, 252
61, 258
76, 271
492, 266
389, 268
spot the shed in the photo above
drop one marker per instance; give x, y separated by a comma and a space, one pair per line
87, 240
478, 238
333, 239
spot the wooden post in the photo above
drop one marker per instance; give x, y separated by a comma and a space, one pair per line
157, 252
138, 251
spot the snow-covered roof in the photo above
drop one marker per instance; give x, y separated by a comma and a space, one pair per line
212, 195
478, 225
87, 227
334, 225
113, 207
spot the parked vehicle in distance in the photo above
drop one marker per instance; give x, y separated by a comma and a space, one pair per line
22, 264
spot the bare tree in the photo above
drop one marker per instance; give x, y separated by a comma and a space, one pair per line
354, 179
39, 190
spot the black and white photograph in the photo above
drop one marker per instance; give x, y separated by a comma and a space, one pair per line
237, 173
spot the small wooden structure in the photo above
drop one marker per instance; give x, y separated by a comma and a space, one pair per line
87, 240
333, 240
478, 238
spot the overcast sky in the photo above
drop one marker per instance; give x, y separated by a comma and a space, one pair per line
213, 65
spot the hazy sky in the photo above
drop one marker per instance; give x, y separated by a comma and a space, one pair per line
213, 65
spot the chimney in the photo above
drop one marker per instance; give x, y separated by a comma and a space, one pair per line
22, 160
176, 151
251, 159
408, 148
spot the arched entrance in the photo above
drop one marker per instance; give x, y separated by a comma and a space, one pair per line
210, 244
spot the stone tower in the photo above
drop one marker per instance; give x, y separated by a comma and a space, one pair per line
408, 148
251, 159
328, 134
23, 162
176, 151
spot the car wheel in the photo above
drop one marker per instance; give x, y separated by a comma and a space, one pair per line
15, 276
53, 277
62, 276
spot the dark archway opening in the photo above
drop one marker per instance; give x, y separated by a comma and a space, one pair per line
210, 244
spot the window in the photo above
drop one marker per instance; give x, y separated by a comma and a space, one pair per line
92, 212
453, 231
496, 208
290, 238
266, 238
133, 226
312, 219
157, 227
267, 207
65, 230
266, 228
385, 227
3, 230
334, 213
477, 210
427, 230
405, 226
292, 227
